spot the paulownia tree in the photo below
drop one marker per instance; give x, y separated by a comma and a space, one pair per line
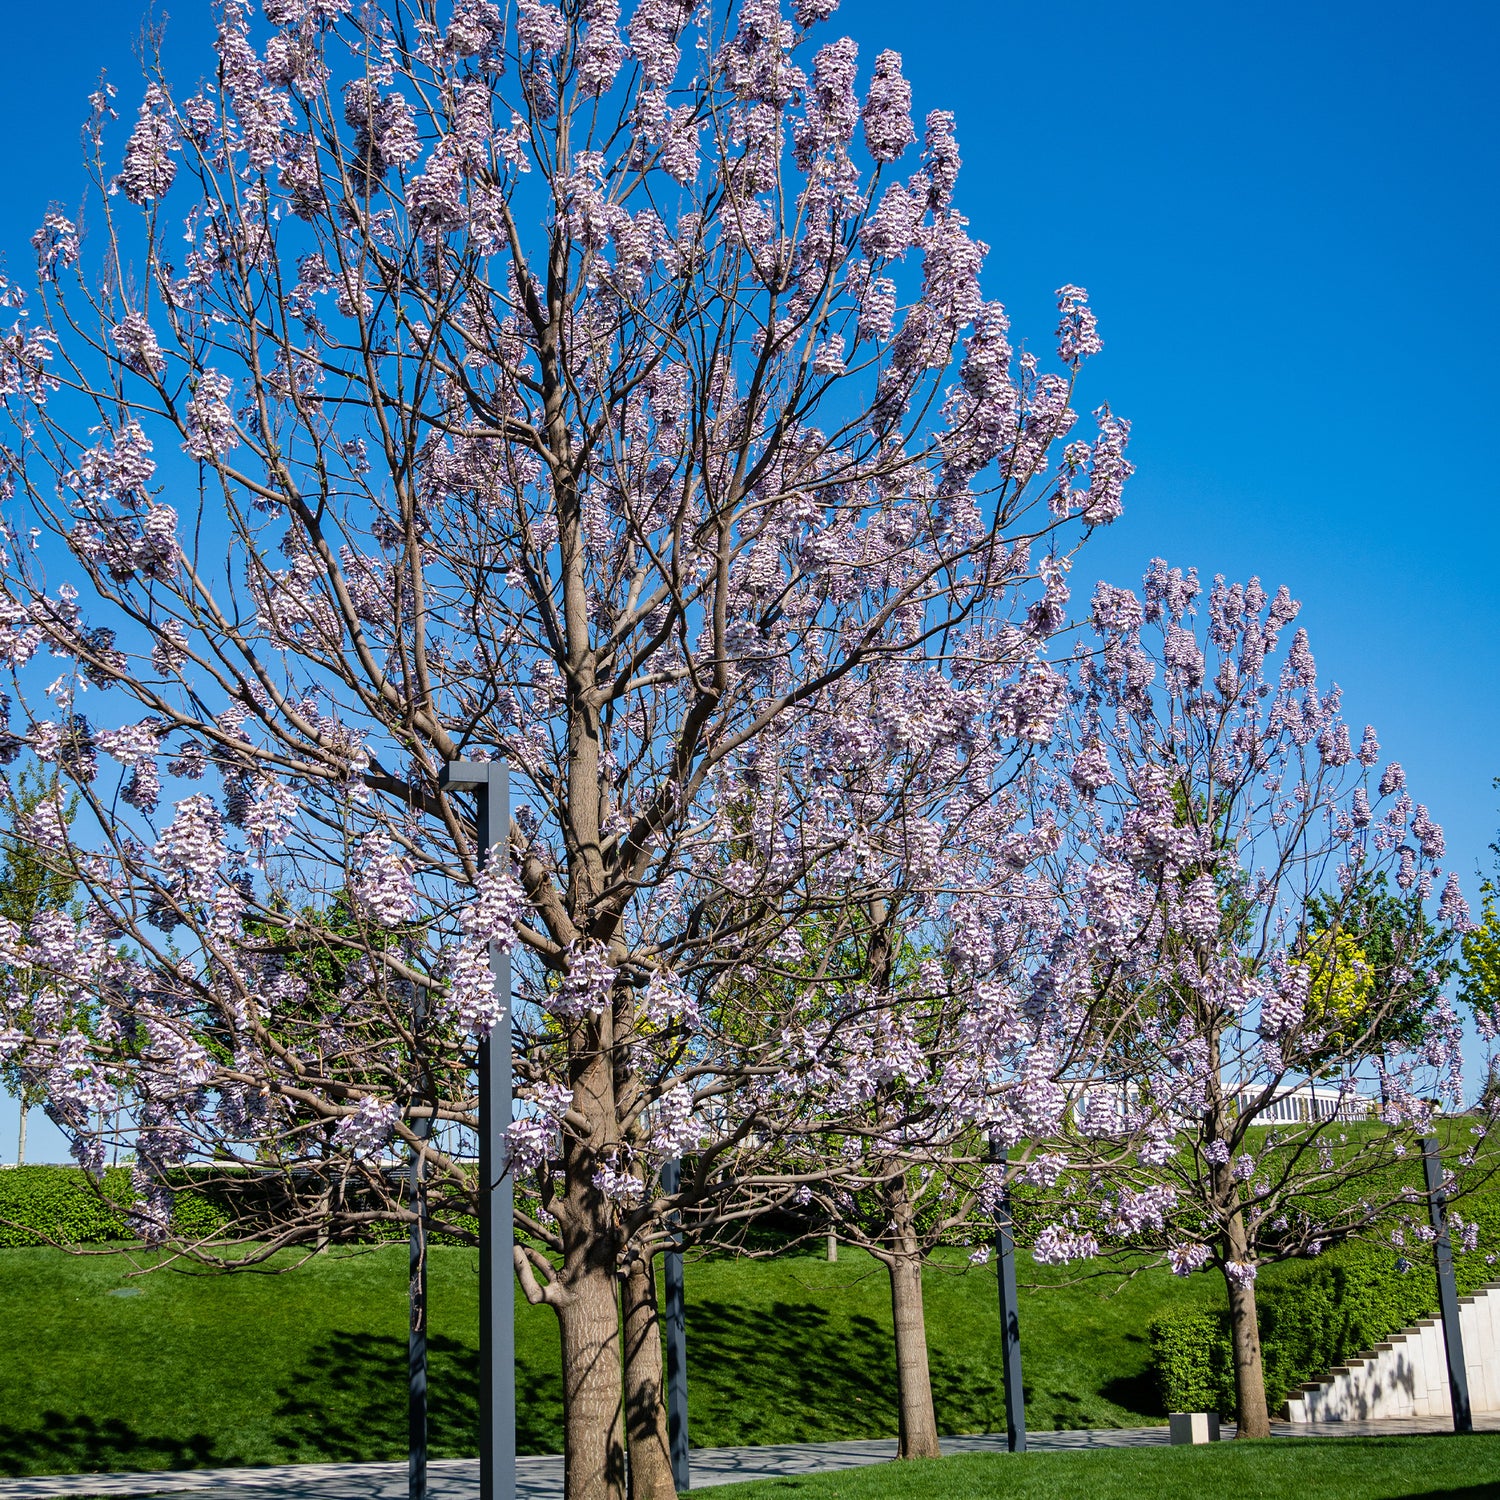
955, 961
1236, 835
442, 383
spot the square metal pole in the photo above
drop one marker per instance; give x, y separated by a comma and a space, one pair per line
416, 1302
676, 1330
1010, 1323
497, 1225
1453, 1338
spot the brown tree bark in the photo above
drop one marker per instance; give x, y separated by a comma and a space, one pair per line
645, 1389
1251, 1414
919, 1434
593, 1437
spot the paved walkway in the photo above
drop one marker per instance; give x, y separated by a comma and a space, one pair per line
540, 1478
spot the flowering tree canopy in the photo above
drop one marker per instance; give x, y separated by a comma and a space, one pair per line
934, 1024
1236, 834
617, 399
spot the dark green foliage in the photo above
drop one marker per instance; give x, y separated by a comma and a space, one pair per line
29, 886
1411, 956
198, 1215
1190, 1361
38, 1204
57, 1205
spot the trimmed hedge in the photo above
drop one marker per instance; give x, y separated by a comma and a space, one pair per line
1190, 1362
1315, 1315
58, 1205
53, 1204
38, 1204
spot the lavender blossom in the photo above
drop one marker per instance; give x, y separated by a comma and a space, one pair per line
149, 168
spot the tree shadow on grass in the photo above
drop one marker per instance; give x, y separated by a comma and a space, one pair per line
81, 1444
792, 1373
347, 1401
967, 1394
787, 1373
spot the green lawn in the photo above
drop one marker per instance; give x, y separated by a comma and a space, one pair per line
309, 1365
1393, 1468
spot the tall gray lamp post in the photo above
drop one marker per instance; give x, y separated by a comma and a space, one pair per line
1010, 1322
490, 781
416, 1297
1453, 1339
676, 1329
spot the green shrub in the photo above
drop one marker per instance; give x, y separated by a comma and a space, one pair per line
198, 1215
1190, 1359
58, 1205
38, 1204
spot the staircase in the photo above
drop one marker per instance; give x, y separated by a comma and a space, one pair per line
1407, 1374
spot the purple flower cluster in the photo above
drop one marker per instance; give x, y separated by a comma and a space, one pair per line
382, 886
367, 1127
886, 115
191, 848
149, 166
211, 430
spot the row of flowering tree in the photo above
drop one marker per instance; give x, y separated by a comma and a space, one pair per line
1194, 927
617, 396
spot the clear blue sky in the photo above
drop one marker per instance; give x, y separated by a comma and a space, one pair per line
1287, 218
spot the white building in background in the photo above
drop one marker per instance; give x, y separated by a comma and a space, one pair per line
1108, 1105
1304, 1103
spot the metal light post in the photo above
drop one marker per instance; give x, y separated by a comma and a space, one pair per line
677, 1409
416, 1302
497, 1230
1453, 1339
1010, 1323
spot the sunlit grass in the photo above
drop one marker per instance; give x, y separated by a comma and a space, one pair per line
307, 1366
1320, 1469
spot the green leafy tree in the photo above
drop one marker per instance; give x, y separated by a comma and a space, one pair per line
29, 885
1382, 962
1479, 983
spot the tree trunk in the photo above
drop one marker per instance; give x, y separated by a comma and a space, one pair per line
21, 1136
919, 1434
593, 1441
645, 1390
833, 1247
1250, 1411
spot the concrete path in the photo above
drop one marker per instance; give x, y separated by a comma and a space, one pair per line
540, 1478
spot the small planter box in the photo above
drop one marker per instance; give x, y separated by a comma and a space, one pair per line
1194, 1427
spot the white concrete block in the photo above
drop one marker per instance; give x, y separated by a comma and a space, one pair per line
1192, 1427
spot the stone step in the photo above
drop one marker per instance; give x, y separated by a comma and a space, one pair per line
1333, 1390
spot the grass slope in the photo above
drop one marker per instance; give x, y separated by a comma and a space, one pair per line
188, 1370
1396, 1468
